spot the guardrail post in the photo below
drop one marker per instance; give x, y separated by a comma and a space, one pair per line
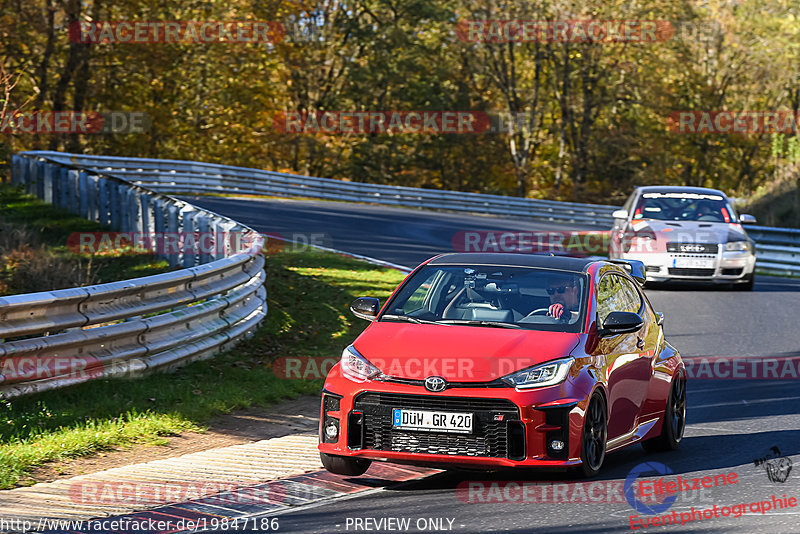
173, 230
40, 166
146, 210
159, 225
72, 191
102, 201
63, 190
114, 205
48, 183
205, 240
187, 255
92, 185
16, 169
124, 211
134, 220
234, 244
30, 176
83, 195
222, 238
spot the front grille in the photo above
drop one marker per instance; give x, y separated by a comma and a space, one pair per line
489, 438
652, 268
681, 271
693, 248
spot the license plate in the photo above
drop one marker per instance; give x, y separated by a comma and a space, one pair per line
432, 421
694, 263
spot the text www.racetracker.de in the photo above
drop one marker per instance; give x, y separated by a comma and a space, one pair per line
264, 524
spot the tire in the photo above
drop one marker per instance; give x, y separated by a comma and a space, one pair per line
674, 422
748, 285
594, 436
342, 465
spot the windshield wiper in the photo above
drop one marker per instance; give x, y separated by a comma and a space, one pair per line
409, 319
495, 324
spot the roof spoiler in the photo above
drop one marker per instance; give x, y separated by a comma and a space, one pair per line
635, 268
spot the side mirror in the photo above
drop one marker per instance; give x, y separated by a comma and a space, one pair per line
366, 308
660, 318
635, 268
745, 218
621, 323
620, 214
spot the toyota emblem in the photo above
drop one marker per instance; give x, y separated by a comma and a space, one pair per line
435, 383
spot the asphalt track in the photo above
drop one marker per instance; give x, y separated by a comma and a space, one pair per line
731, 423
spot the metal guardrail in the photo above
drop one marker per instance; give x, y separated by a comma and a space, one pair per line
62, 337
175, 176
777, 249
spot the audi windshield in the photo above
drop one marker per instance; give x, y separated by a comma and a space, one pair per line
684, 207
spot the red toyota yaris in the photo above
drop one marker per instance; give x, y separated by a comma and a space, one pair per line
502, 360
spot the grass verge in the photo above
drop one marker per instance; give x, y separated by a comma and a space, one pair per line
308, 295
35, 255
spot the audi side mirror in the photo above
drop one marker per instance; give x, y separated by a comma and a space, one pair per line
620, 214
746, 218
366, 308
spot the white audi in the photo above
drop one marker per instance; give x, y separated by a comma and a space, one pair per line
685, 233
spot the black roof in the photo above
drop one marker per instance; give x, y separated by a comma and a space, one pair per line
565, 263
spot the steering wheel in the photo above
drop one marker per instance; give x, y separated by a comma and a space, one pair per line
540, 311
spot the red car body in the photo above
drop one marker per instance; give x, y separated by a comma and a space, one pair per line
634, 381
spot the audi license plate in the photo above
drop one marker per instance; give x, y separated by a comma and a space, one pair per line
432, 421
694, 263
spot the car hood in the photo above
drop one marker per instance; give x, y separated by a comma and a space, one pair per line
691, 231
458, 353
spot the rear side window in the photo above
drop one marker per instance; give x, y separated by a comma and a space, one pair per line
615, 293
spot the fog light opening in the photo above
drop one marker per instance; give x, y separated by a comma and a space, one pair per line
557, 445
332, 430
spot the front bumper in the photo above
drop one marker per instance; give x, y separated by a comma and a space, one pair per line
510, 428
722, 267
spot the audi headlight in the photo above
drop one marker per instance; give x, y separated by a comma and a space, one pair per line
738, 246
356, 367
545, 374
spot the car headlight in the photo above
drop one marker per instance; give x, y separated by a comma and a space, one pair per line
545, 374
356, 367
738, 246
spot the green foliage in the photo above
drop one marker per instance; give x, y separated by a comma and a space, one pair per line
594, 115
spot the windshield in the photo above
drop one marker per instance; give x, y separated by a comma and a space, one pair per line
492, 296
684, 207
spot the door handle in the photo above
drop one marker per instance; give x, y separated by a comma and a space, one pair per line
640, 343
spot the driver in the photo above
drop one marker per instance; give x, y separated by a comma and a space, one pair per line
563, 292
704, 210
